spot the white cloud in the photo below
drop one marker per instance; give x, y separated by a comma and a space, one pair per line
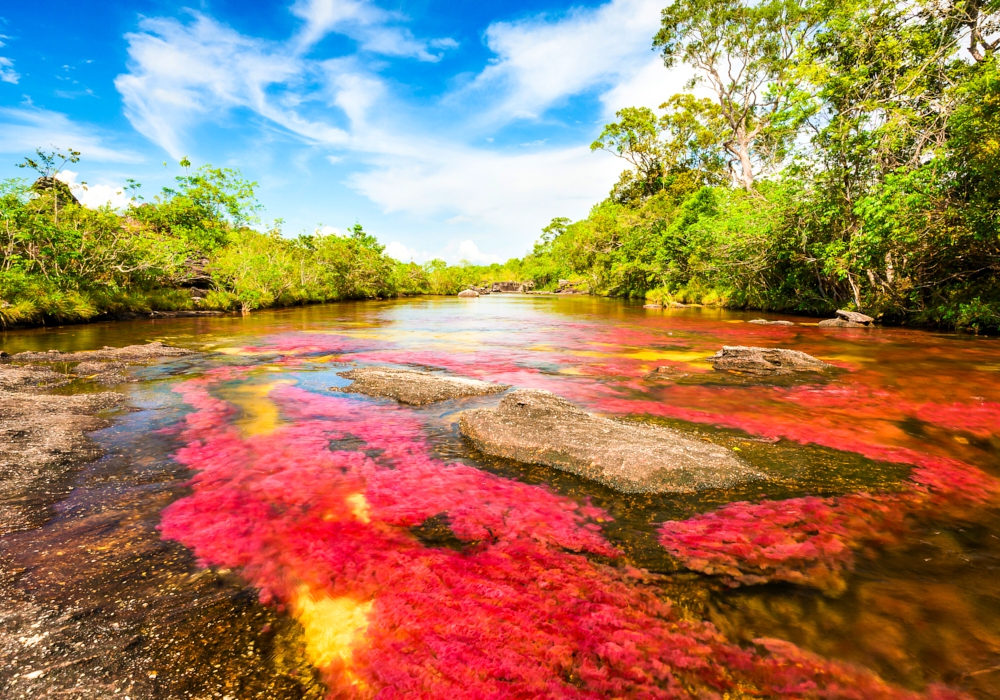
182, 73
7, 72
542, 60
373, 28
26, 128
395, 249
329, 231
469, 252
95, 196
417, 160
495, 191
650, 87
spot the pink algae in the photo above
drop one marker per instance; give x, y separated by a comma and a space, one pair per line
813, 541
326, 504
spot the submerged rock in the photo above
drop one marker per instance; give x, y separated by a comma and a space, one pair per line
765, 322
415, 387
468, 293
848, 319
765, 361
538, 427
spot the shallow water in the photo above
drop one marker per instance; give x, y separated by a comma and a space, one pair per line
335, 544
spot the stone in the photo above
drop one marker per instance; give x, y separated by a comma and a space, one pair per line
42, 440
841, 323
652, 306
848, 319
130, 353
538, 427
28, 378
765, 322
415, 387
855, 317
468, 294
62, 192
765, 361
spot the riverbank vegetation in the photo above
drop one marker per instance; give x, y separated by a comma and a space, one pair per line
830, 153
199, 245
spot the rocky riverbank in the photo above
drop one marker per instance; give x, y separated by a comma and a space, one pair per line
93, 603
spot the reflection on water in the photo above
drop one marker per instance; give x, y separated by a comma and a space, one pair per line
394, 559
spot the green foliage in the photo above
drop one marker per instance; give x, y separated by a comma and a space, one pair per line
65, 262
863, 152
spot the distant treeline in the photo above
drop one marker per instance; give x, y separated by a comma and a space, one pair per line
197, 246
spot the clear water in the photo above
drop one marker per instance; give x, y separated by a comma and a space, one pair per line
333, 544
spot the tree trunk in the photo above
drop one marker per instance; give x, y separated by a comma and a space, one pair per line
746, 166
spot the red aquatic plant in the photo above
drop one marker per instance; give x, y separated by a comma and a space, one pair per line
320, 512
812, 540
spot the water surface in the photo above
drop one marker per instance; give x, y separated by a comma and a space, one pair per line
254, 532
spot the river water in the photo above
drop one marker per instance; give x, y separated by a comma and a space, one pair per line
254, 532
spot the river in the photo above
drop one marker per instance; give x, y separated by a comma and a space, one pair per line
254, 532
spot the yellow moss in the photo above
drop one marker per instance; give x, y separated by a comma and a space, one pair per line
332, 628
359, 506
259, 415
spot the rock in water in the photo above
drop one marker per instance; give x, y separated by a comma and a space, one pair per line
765, 361
130, 353
848, 319
538, 427
415, 387
765, 322
855, 317
469, 293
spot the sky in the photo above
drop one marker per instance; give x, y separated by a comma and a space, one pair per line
448, 129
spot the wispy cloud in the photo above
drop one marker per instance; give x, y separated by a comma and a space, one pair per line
27, 128
543, 60
376, 30
7, 72
423, 160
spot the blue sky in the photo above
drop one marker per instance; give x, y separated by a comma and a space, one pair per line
449, 129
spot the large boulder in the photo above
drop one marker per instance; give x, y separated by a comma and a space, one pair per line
468, 294
539, 427
415, 387
765, 361
848, 319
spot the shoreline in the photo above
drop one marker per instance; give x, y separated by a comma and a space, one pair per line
638, 303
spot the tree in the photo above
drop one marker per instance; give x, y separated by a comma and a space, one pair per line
746, 54
682, 143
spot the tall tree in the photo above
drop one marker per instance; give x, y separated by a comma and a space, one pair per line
745, 53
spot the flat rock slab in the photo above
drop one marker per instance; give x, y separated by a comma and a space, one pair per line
42, 439
539, 427
414, 387
765, 322
129, 353
765, 361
